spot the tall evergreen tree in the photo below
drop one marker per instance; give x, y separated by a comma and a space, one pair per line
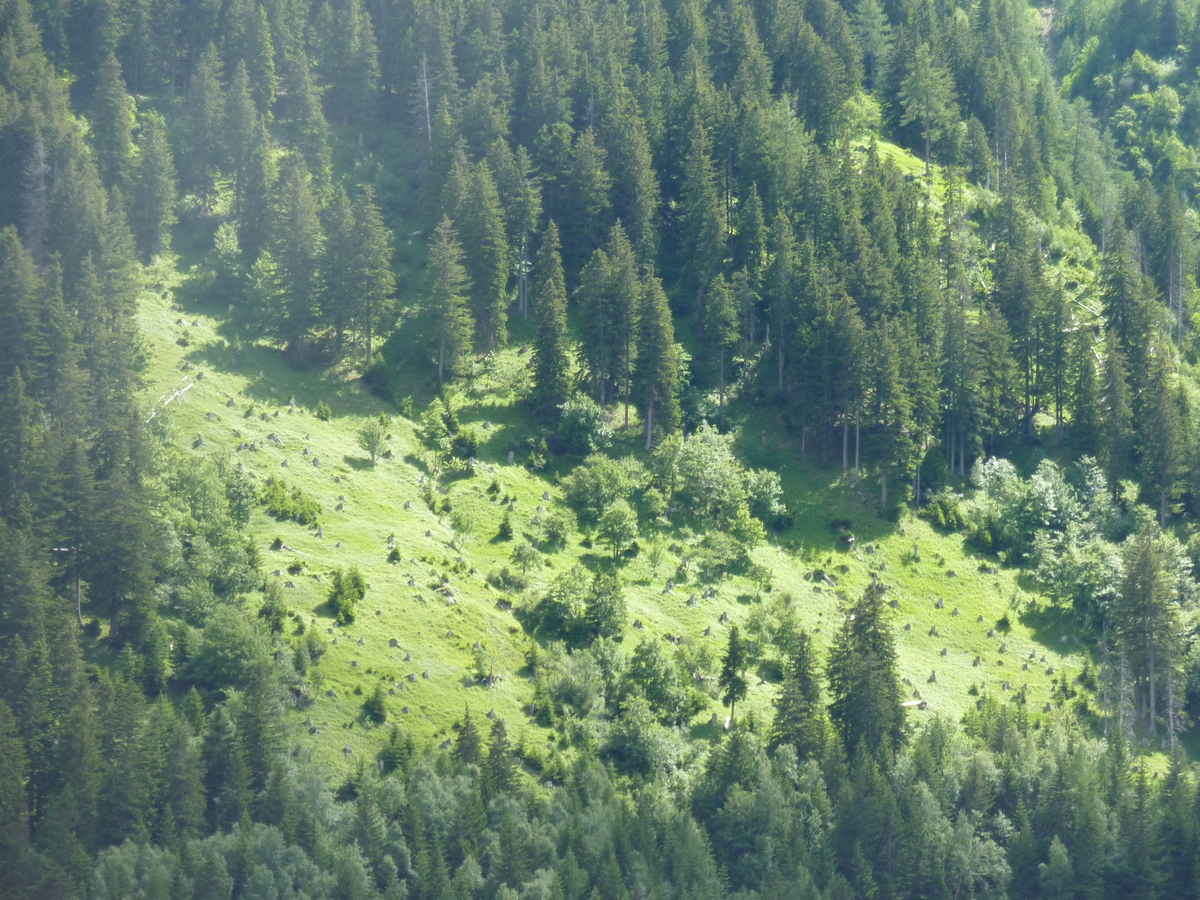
702, 217
720, 325
112, 125
927, 96
297, 240
733, 672
799, 713
551, 345
448, 305
372, 269
586, 206
481, 228
864, 686
154, 196
199, 161
656, 373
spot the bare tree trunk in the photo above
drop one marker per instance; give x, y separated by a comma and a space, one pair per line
857, 435
883, 479
649, 423
845, 445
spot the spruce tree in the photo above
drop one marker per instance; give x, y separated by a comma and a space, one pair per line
732, 680
481, 228
339, 290
635, 193
720, 323
799, 714
112, 125
448, 306
297, 240
469, 746
202, 106
927, 97
255, 187
501, 769
586, 203
1116, 438
551, 345
701, 216
864, 686
306, 119
656, 372
154, 195
372, 269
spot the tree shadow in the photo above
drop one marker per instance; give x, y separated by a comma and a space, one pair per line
357, 463
1052, 626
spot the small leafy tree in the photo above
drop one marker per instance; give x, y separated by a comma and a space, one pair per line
618, 527
524, 556
371, 438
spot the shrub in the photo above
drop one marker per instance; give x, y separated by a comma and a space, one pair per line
323, 412
347, 589
584, 425
375, 706
288, 504
406, 407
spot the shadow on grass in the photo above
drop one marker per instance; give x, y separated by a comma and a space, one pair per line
358, 464
1049, 625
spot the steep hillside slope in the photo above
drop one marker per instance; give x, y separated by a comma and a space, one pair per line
948, 601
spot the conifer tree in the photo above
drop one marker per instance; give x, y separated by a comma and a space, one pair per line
733, 668
864, 686
154, 195
778, 288
656, 372
501, 776
297, 240
339, 291
586, 204
258, 53
702, 218
551, 345
873, 31
238, 125
307, 124
1115, 448
635, 193
372, 268
112, 125
720, 324
799, 714
469, 746
750, 244
927, 96
481, 228
1161, 436
452, 322
14, 807
521, 197
202, 125
255, 187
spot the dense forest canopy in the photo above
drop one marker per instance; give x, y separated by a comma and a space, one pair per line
919, 240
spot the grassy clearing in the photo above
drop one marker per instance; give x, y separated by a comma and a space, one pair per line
441, 636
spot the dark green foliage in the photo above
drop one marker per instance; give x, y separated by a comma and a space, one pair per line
551, 348
153, 195
346, 589
289, 503
375, 706
452, 324
733, 668
864, 686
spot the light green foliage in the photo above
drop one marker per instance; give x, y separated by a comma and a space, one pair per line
599, 482
584, 426
656, 675
618, 526
372, 438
